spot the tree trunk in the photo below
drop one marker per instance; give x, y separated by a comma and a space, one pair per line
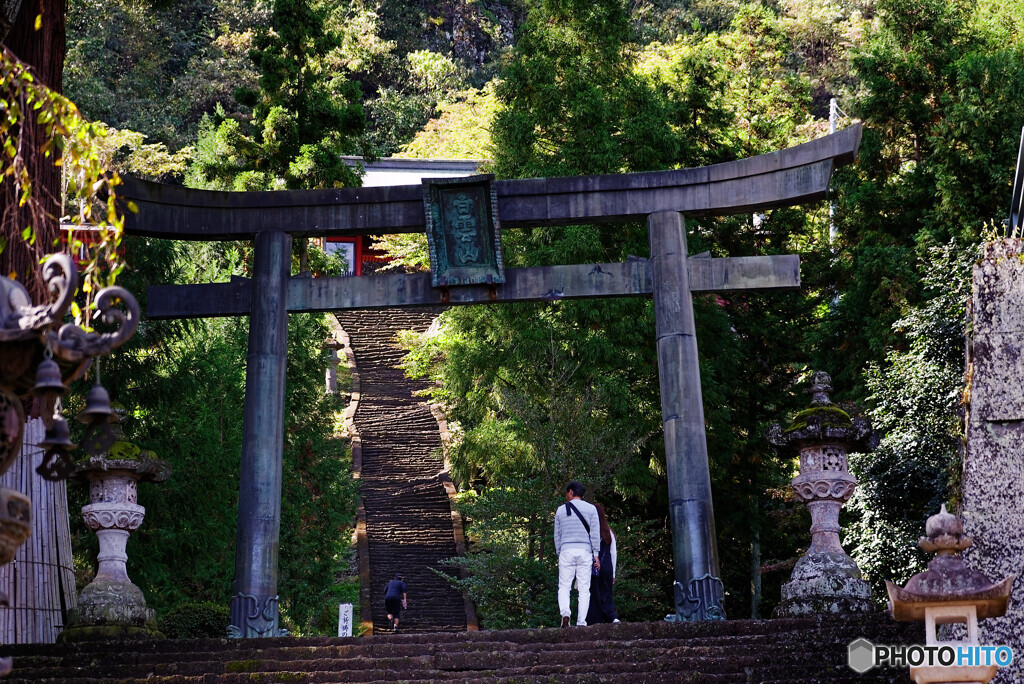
43, 50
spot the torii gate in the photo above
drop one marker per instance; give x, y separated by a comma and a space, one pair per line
662, 198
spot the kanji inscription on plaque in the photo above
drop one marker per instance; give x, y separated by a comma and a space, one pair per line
462, 231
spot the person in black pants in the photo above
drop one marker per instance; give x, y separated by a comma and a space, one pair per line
602, 603
395, 599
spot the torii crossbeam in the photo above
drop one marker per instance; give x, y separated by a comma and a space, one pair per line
791, 176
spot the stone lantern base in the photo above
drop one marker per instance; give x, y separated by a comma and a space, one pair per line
110, 610
822, 584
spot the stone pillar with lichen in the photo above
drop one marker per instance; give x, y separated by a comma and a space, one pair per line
825, 579
993, 472
111, 606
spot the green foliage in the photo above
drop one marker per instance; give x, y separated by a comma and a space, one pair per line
184, 387
396, 116
398, 113
431, 72
916, 404
127, 152
304, 118
571, 102
157, 68
460, 131
195, 621
935, 163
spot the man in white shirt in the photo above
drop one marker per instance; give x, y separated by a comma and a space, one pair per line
577, 542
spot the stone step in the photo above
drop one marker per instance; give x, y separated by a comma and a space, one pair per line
408, 515
767, 651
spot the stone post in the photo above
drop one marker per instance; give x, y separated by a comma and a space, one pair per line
331, 377
993, 474
825, 580
699, 592
254, 611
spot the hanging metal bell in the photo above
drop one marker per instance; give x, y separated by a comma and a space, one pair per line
57, 464
48, 380
97, 405
58, 436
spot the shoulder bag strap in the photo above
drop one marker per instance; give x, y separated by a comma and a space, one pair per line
568, 504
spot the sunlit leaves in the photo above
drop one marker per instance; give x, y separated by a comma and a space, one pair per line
74, 144
915, 404
304, 116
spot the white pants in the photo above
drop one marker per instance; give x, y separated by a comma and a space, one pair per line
575, 563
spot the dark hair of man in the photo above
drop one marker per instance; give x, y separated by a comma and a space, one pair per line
576, 488
606, 532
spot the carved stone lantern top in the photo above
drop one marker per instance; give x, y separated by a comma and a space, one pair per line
823, 422
145, 468
944, 534
124, 458
948, 580
820, 388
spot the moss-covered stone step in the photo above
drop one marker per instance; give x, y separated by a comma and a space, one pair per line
768, 651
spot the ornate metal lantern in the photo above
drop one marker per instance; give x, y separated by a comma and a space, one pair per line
39, 355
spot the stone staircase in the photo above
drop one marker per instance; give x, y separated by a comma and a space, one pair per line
786, 651
409, 526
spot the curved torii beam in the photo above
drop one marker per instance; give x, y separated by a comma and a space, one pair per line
792, 176
783, 178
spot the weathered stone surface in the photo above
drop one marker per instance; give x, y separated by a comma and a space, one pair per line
785, 177
998, 364
545, 283
825, 580
112, 603
993, 484
825, 583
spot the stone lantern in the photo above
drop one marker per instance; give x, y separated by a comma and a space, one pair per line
949, 592
111, 606
825, 579
331, 377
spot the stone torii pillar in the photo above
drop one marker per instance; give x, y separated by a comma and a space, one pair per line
254, 610
698, 584
662, 198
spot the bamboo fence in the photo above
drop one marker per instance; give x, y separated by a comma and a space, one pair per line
40, 581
